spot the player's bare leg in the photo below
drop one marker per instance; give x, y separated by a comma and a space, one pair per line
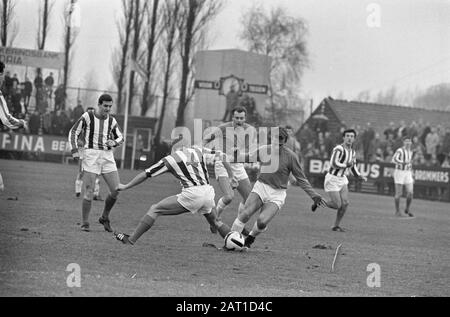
398, 195
252, 205
334, 202
166, 207
342, 209
112, 180
227, 198
88, 180
409, 198
214, 221
268, 211
79, 180
244, 188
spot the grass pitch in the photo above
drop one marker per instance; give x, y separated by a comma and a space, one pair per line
40, 237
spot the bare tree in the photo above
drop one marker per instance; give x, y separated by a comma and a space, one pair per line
45, 9
8, 27
195, 16
171, 16
153, 36
124, 26
283, 38
435, 97
70, 36
138, 18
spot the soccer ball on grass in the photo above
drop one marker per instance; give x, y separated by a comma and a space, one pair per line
234, 241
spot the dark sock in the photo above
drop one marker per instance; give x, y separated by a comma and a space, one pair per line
249, 240
109, 203
245, 232
145, 224
85, 209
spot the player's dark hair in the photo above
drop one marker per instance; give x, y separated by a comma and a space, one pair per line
239, 109
104, 97
406, 137
2, 67
349, 131
288, 127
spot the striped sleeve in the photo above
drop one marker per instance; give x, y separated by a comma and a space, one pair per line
6, 118
75, 132
156, 169
397, 158
117, 135
336, 156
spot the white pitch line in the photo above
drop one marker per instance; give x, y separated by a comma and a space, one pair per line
335, 257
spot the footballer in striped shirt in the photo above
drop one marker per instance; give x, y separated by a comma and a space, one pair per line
101, 135
5, 117
188, 165
403, 176
343, 159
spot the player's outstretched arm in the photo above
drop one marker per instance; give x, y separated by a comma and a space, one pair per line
141, 177
304, 183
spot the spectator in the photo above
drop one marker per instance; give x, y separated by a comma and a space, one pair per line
402, 130
375, 144
291, 142
425, 132
15, 82
60, 97
47, 121
446, 163
232, 99
379, 156
15, 102
49, 82
329, 142
389, 154
309, 151
306, 136
446, 142
38, 82
390, 130
77, 112
323, 153
413, 130
26, 93
366, 138
35, 122
7, 85
431, 142
61, 123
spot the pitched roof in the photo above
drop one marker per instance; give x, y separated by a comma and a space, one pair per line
353, 113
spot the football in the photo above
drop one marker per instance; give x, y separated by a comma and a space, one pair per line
234, 241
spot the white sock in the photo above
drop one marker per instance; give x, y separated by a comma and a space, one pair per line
237, 226
97, 187
78, 184
240, 208
256, 231
220, 207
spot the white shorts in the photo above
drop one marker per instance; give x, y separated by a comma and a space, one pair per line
403, 177
334, 183
98, 161
237, 168
269, 194
197, 199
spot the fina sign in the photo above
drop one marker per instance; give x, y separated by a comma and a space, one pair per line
31, 58
34, 143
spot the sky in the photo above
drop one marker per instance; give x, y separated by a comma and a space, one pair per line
354, 45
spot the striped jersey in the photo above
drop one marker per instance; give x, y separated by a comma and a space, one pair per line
95, 132
341, 158
187, 165
402, 159
6, 118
